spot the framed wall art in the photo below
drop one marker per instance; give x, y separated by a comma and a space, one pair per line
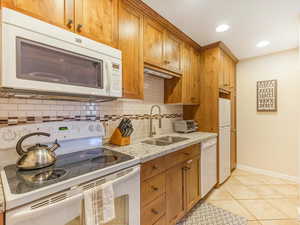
266, 92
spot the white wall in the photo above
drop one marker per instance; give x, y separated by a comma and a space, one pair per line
269, 141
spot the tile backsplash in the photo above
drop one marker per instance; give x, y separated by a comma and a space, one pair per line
20, 111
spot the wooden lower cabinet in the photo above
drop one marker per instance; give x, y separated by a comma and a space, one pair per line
192, 168
175, 193
170, 186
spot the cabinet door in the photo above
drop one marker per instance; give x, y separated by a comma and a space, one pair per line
97, 19
192, 182
56, 12
190, 85
172, 53
187, 78
153, 43
131, 45
195, 73
174, 194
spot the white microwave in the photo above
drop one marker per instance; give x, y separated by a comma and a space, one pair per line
39, 57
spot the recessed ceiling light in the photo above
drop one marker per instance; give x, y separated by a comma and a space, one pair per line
262, 44
222, 28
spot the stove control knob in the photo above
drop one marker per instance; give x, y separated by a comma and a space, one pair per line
9, 135
91, 128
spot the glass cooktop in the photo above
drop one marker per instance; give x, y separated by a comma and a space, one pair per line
66, 167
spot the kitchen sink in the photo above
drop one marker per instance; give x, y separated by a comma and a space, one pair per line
163, 141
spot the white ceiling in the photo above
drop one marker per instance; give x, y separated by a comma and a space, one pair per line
251, 21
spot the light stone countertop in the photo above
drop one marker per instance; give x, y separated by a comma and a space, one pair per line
146, 152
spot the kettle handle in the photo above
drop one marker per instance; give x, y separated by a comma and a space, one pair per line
19, 148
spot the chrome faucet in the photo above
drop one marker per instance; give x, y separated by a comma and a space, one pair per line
152, 133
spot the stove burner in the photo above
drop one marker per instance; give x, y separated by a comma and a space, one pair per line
105, 159
48, 175
43, 176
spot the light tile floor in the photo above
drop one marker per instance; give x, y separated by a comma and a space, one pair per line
261, 199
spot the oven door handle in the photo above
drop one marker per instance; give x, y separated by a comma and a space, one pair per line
133, 173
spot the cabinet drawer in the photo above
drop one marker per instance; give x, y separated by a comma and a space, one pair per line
152, 168
152, 188
182, 155
152, 212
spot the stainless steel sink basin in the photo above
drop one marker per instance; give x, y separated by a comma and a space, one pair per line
172, 139
163, 141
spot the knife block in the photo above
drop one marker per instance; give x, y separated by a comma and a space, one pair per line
118, 139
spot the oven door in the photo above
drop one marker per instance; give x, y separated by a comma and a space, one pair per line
37, 62
61, 209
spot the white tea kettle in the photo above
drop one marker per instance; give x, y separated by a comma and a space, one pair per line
37, 156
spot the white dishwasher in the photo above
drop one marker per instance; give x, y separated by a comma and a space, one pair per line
208, 166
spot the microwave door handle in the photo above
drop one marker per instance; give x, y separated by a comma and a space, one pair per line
108, 77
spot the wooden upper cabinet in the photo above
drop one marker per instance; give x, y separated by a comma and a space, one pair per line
153, 43
185, 89
131, 45
97, 19
161, 48
192, 177
175, 208
172, 53
227, 69
56, 12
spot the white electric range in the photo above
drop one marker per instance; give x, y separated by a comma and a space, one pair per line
34, 197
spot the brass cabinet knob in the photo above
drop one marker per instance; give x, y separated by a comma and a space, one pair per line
69, 23
79, 26
154, 211
154, 188
154, 167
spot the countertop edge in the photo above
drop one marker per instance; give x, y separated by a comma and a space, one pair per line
177, 148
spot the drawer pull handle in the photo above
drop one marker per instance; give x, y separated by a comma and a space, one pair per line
154, 188
186, 153
154, 211
154, 167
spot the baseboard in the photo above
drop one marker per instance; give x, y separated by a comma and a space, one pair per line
268, 173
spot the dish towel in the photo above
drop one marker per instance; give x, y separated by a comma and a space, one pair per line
99, 204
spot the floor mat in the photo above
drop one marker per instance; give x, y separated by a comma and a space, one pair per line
207, 214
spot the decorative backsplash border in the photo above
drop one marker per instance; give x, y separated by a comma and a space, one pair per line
13, 121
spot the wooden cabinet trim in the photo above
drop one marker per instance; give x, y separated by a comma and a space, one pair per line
221, 45
149, 12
